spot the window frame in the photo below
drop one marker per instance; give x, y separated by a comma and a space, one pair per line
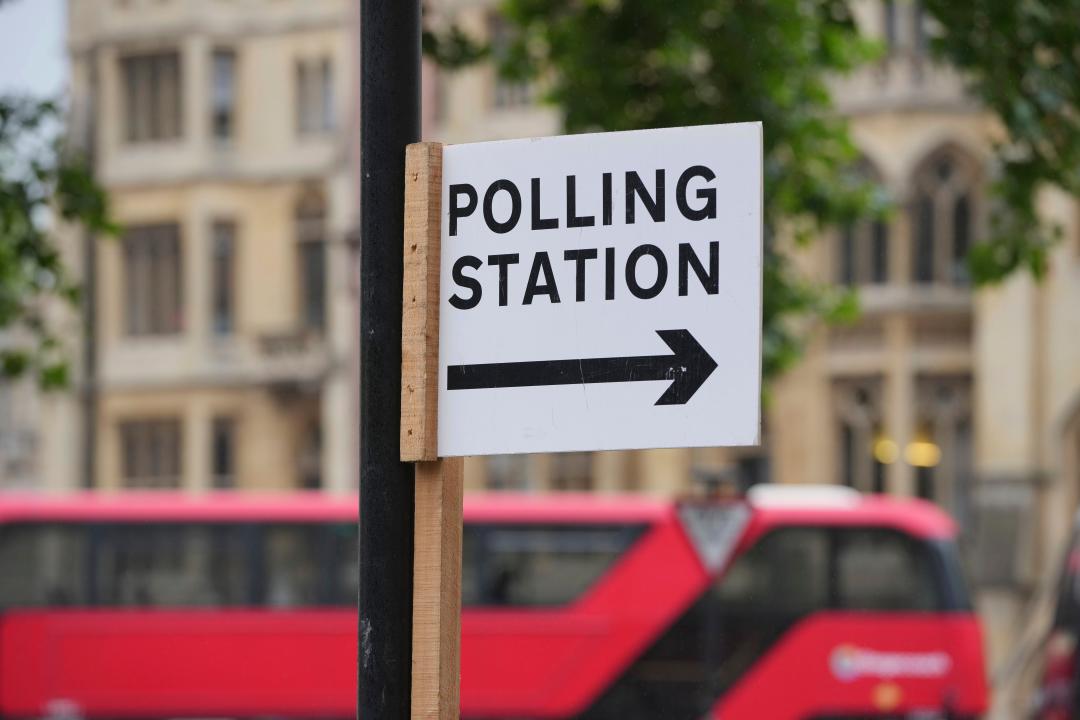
858, 411
933, 211
154, 431
947, 597
145, 78
506, 95
223, 426
312, 248
477, 558
84, 576
223, 277
152, 265
862, 250
314, 95
572, 472
227, 107
331, 588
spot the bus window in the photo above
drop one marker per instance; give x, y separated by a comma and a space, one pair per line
43, 565
345, 570
786, 572
294, 557
781, 578
1067, 613
542, 565
172, 565
471, 587
883, 570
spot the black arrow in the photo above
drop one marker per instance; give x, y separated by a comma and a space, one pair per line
687, 369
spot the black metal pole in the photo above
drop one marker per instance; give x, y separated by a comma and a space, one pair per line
389, 120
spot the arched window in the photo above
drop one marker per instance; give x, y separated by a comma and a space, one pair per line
943, 211
863, 448
941, 451
862, 248
889, 24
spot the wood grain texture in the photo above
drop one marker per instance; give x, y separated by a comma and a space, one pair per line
436, 640
436, 654
420, 303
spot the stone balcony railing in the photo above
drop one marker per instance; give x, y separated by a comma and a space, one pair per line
291, 357
905, 80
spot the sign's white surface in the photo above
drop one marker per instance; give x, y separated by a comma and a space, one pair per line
601, 292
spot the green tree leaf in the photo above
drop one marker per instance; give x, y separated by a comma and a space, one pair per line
41, 182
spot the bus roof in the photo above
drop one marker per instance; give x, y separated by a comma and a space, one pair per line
916, 517
167, 506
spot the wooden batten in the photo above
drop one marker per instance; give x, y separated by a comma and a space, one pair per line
420, 303
436, 652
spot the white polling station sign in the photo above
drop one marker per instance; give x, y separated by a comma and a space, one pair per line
601, 292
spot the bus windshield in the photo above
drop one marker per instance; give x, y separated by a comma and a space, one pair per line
789, 574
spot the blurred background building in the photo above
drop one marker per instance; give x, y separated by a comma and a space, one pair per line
220, 333
219, 343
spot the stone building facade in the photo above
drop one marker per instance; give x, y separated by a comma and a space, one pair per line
221, 324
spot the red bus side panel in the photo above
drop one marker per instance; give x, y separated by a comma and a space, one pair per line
555, 662
861, 663
180, 663
543, 662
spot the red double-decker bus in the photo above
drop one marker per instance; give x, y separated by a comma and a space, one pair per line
788, 606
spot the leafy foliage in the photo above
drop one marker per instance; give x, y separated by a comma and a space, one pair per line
452, 48
1022, 58
39, 182
631, 64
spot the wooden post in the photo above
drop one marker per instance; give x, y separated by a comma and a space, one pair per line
436, 653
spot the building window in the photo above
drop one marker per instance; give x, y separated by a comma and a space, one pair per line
943, 224
18, 436
442, 96
862, 253
888, 22
753, 468
223, 97
1076, 236
864, 450
941, 450
152, 280
918, 28
310, 458
223, 453
311, 241
507, 472
314, 96
223, 277
507, 93
571, 471
152, 96
150, 453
